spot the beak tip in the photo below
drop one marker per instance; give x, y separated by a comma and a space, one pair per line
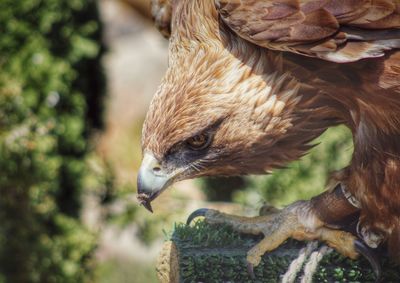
147, 205
145, 201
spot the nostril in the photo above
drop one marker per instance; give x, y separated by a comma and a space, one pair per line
156, 169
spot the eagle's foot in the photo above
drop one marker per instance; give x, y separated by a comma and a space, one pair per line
280, 225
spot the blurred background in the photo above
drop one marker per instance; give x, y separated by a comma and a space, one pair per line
76, 78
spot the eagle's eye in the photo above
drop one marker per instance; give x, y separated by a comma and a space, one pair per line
199, 142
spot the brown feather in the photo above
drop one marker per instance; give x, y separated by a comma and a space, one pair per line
306, 27
264, 107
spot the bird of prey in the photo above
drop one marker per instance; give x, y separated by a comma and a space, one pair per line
251, 83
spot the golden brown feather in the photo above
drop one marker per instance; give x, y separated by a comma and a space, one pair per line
264, 107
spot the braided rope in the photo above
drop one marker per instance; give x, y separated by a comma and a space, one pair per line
297, 264
311, 266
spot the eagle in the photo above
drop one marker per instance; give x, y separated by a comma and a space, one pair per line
251, 83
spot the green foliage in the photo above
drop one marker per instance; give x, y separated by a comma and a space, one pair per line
50, 73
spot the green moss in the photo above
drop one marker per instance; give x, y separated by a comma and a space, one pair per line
199, 235
215, 253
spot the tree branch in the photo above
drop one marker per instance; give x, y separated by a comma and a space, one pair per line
205, 253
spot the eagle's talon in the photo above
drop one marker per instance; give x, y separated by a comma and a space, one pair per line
250, 270
197, 213
368, 253
254, 256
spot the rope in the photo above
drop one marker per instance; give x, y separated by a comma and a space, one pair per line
297, 264
311, 258
313, 262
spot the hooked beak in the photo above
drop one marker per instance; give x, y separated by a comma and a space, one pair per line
151, 181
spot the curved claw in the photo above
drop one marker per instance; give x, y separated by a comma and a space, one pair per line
250, 270
196, 213
373, 260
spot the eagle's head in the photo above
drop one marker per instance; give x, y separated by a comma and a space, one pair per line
215, 114
223, 108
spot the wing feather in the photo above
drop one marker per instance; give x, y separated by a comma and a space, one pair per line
334, 30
